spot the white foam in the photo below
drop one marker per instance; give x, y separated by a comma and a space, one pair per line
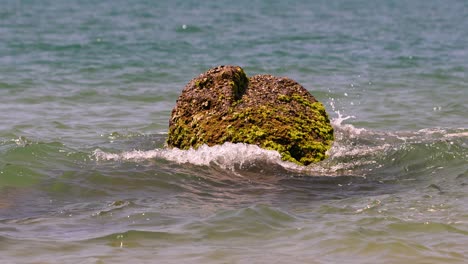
226, 155
456, 135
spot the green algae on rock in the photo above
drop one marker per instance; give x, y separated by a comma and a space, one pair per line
277, 113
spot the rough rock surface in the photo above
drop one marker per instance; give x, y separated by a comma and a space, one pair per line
223, 105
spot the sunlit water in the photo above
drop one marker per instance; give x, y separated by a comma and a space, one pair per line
87, 89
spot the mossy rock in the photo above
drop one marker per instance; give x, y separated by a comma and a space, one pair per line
277, 113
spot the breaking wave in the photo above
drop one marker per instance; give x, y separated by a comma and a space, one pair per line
355, 152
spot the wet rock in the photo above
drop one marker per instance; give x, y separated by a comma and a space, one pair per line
277, 113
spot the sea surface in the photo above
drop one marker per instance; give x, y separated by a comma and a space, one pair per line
87, 89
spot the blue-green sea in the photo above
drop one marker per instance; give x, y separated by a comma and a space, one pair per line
87, 89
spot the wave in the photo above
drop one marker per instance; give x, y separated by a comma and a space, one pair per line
355, 152
225, 155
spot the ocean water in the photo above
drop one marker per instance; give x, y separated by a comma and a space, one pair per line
86, 91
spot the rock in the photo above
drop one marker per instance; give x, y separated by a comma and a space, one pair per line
277, 113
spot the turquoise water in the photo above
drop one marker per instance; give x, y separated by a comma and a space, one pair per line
87, 90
